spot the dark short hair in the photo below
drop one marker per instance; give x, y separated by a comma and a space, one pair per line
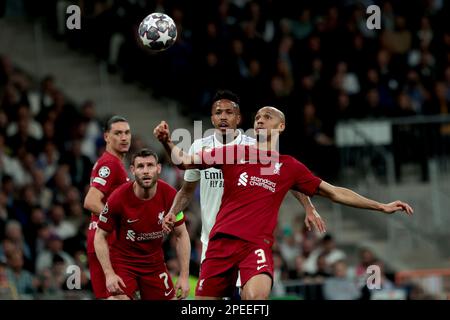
143, 153
228, 95
113, 119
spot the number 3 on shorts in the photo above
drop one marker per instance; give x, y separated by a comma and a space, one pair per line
260, 253
165, 278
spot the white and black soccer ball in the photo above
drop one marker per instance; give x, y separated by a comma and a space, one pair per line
158, 31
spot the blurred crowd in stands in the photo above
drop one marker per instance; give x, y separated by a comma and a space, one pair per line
316, 60
47, 148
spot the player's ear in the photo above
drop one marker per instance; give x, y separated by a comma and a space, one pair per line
282, 127
132, 169
105, 137
159, 168
239, 119
212, 120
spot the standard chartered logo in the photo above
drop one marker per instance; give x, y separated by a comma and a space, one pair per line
243, 179
143, 236
130, 235
254, 181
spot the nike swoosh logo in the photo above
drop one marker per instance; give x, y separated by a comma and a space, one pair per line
260, 267
131, 221
244, 162
167, 293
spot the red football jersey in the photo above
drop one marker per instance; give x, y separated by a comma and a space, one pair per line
107, 174
138, 225
255, 184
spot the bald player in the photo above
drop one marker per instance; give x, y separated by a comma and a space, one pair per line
256, 179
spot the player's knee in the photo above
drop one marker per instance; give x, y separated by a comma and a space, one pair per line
252, 294
119, 297
257, 288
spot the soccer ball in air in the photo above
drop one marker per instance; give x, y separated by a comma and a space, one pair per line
158, 31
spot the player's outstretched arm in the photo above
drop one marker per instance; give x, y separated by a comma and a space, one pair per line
181, 201
179, 158
312, 217
351, 198
183, 248
113, 281
183, 196
94, 201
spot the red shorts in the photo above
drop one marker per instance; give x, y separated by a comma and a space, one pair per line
152, 285
226, 256
98, 280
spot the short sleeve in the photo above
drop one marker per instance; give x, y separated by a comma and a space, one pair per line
108, 217
104, 176
305, 181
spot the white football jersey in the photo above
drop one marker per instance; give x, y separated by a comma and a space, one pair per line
211, 183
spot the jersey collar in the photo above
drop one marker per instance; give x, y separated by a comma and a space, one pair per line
237, 140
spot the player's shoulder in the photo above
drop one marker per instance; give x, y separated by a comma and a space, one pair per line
124, 187
106, 156
108, 168
287, 157
290, 161
107, 159
121, 191
165, 187
166, 191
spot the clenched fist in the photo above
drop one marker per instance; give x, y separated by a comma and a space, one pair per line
161, 132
